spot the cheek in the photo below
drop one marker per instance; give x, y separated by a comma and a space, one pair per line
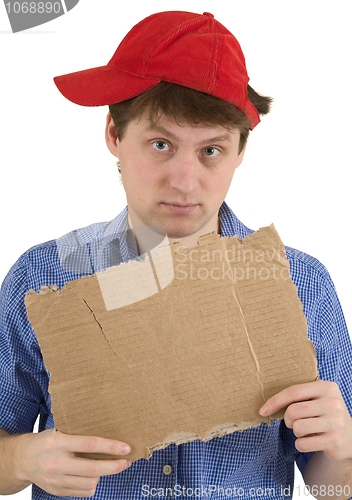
131, 167
138, 178
221, 181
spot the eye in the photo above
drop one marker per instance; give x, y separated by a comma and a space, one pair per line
211, 152
161, 146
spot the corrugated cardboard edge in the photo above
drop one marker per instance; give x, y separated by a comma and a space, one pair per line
184, 437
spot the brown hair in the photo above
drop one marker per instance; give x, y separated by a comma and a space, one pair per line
187, 105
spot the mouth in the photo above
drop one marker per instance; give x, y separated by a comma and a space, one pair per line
179, 208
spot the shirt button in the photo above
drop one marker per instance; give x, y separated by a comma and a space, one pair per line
167, 469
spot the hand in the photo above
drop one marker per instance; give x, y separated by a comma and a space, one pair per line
48, 460
318, 416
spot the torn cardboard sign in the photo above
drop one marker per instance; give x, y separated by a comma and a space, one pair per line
218, 330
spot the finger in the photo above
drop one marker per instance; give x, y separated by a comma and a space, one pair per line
81, 483
73, 486
92, 444
304, 410
95, 468
73, 492
293, 394
310, 426
319, 442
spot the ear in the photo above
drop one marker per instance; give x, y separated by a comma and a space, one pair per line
240, 156
111, 139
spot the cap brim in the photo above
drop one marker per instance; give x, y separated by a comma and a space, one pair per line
101, 86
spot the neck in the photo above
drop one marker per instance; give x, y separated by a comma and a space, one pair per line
144, 243
191, 240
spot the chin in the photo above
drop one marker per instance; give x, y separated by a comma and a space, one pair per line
175, 233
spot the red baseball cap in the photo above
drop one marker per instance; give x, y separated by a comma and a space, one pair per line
188, 49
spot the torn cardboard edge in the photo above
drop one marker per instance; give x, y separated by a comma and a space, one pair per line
168, 349
184, 437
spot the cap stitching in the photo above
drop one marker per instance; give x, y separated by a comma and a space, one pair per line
215, 57
188, 23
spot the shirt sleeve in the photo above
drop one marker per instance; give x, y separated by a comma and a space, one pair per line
328, 331
23, 377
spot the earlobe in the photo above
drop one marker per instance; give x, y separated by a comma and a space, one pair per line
111, 139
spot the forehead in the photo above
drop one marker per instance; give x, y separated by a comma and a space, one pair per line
175, 129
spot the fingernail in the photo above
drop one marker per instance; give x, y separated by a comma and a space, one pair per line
263, 410
125, 449
128, 464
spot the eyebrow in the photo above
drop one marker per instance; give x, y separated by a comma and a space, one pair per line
159, 128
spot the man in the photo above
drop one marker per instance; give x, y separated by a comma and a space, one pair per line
180, 113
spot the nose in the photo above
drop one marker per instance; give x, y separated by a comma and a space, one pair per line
183, 173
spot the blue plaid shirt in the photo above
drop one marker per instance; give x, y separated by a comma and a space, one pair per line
250, 464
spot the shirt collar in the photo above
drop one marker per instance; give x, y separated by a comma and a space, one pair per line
102, 245
230, 224
117, 229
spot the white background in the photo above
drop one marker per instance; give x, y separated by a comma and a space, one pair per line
57, 174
